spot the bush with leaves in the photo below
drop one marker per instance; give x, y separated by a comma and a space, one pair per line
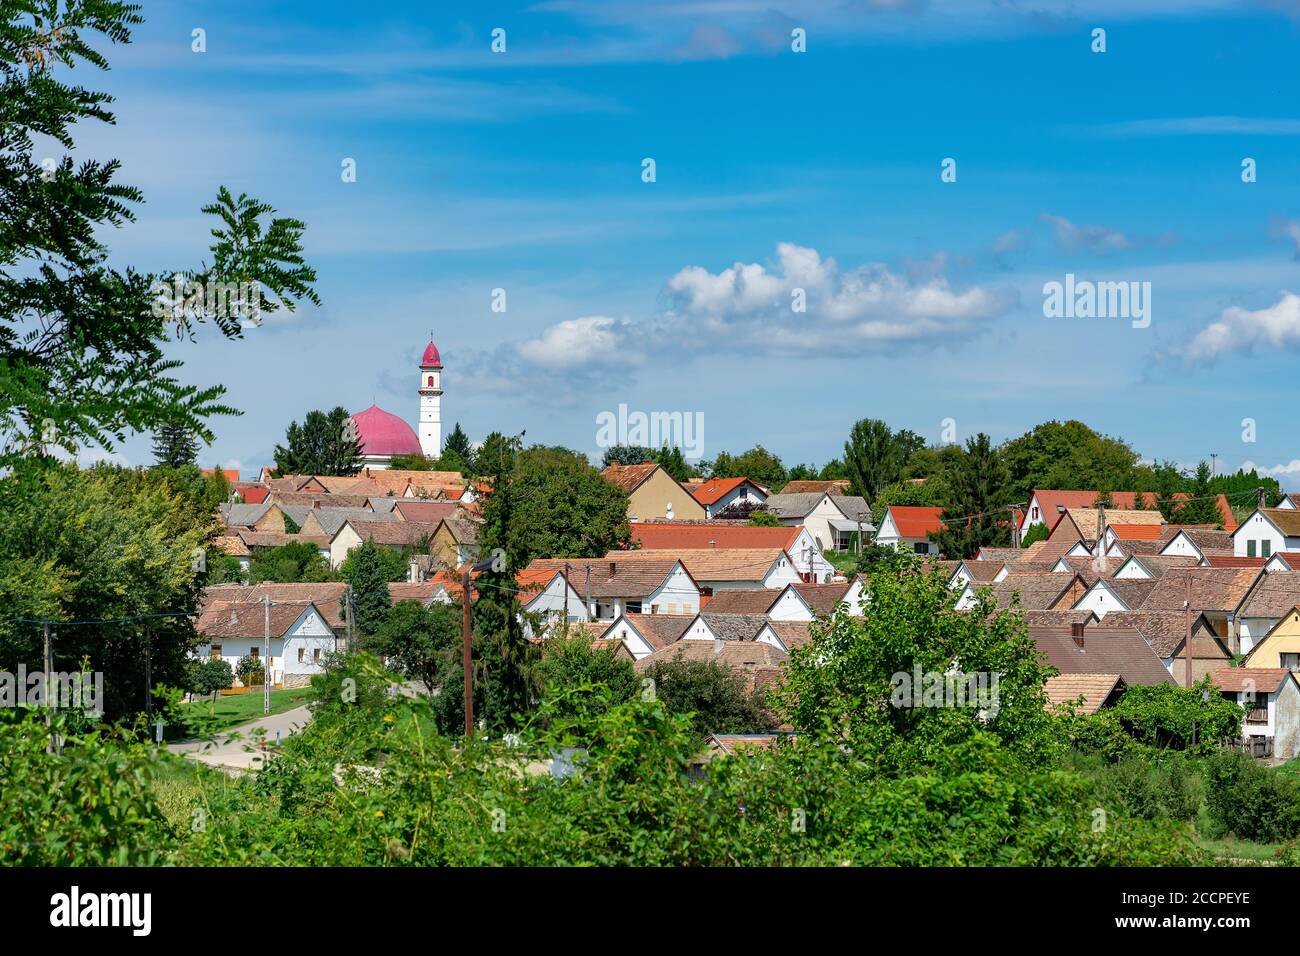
574, 676
250, 670
713, 696
1251, 801
211, 676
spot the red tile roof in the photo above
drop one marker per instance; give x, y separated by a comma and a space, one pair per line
630, 477
1260, 680
715, 489
1233, 561
674, 536
1125, 532
916, 522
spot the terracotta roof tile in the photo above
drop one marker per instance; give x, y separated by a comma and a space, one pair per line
1095, 689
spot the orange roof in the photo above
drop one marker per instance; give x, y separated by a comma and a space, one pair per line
232, 474
715, 489
1049, 500
629, 477
533, 581
916, 522
1127, 532
1234, 561
665, 536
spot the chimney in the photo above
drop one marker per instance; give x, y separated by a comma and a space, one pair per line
1076, 632
612, 567
712, 543
717, 645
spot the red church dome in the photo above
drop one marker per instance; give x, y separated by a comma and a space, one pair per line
383, 433
431, 357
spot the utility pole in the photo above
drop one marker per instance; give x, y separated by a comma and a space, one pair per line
465, 662
1015, 527
587, 588
347, 615
566, 597
148, 675
1214, 465
266, 654
47, 655
1187, 624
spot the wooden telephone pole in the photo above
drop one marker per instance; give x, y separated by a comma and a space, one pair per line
465, 656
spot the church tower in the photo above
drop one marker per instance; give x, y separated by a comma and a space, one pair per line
431, 402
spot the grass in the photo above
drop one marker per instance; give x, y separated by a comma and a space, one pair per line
227, 712
180, 789
1230, 848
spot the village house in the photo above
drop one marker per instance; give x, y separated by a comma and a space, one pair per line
1280, 645
693, 535
834, 521
1273, 596
909, 528
1267, 531
719, 569
1115, 594
397, 535
300, 638
1271, 698
613, 586
1216, 592
1083, 693
547, 600
652, 492
1092, 650
1166, 633
643, 634
719, 494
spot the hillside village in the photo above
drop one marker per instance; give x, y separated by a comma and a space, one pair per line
1114, 594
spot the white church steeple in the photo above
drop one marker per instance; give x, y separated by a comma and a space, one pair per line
431, 401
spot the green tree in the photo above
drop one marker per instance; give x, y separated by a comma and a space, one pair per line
874, 456
211, 676
365, 570
295, 561
496, 455
105, 544
82, 358
175, 445
711, 695
976, 515
671, 460
1067, 456
856, 679
561, 507
458, 444
758, 464
324, 444
626, 455
576, 678
1202, 507
421, 642
1036, 532
763, 518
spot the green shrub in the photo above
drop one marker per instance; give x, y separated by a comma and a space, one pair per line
250, 670
1250, 801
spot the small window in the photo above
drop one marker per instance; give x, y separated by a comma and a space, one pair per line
315, 654
254, 651
633, 607
1291, 661
920, 547
302, 654
216, 652
1035, 513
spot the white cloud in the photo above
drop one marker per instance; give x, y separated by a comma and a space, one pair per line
1242, 330
1290, 229
578, 342
1094, 238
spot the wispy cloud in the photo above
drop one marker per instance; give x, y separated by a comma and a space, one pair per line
1190, 126
1243, 330
1071, 237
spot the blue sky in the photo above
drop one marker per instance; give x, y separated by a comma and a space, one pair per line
774, 170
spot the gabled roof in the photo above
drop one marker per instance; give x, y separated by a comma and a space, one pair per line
1121, 651
1085, 519
1095, 689
416, 509
422, 591
1166, 631
1130, 532
983, 572
791, 633
743, 600
244, 516
332, 519
1064, 617
1274, 595
838, 486
392, 532
1038, 591
822, 598
1205, 539
224, 619
1212, 589
659, 630
630, 477
715, 489
326, 595
738, 655
733, 627
853, 508
1132, 591
612, 577
915, 522
1286, 519
715, 564
682, 535
1259, 680
1158, 565
1005, 555
794, 505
